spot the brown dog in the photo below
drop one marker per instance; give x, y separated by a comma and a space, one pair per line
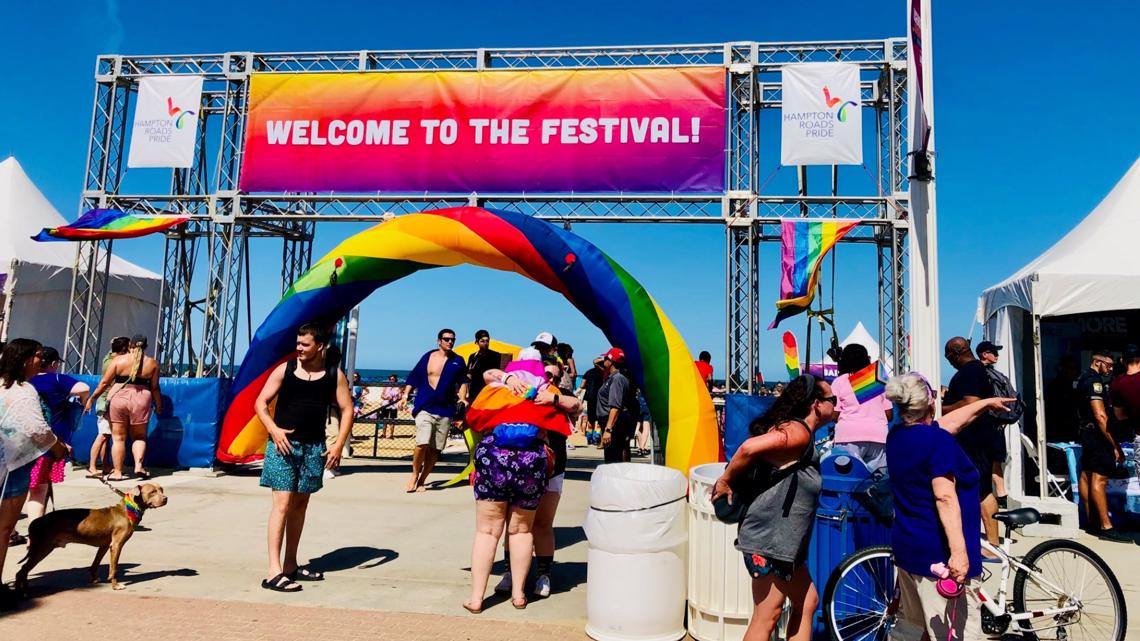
107, 528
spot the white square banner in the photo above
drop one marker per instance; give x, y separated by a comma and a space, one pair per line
822, 116
166, 122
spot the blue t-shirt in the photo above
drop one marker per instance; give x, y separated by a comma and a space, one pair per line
55, 391
916, 455
441, 399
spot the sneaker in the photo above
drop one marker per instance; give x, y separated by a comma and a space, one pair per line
504, 583
542, 586
1003, 502
329, 475
1112, 534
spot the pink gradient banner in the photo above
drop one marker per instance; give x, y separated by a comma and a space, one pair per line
597, 130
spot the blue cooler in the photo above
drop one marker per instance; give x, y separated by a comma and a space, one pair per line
843, 523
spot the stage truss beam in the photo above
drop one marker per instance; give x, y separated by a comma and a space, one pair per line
225, 220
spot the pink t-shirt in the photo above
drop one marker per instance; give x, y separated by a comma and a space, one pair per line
866, 422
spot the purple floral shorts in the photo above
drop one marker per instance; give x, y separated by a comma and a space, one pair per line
513, 476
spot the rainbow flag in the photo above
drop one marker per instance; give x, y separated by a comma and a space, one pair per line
108, 224
496, 405
867, 383
803, 246
791, 355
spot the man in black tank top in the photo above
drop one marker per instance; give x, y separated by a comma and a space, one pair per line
305, 388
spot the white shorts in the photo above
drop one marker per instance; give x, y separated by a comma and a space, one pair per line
104, 425
555, 483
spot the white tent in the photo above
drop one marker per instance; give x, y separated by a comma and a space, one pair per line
858, 335
35, 278
1093, 268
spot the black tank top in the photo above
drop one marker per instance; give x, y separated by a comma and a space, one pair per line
303, 406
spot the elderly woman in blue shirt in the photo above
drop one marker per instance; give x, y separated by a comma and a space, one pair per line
937, 512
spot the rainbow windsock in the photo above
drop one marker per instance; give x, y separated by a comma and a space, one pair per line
791, 355
867, 383
659, 362
802, 248
496, 405
108, 224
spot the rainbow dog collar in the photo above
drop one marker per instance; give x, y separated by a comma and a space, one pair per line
134, 512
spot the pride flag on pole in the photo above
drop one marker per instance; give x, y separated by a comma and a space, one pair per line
108, 224
803, 246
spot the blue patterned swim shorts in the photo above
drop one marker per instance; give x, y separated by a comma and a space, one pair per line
300, 471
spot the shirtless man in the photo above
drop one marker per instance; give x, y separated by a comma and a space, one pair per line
440, 381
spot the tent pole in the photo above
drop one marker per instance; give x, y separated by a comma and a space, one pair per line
1039, 400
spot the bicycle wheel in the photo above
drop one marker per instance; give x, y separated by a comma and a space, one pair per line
859, 603
1083, 579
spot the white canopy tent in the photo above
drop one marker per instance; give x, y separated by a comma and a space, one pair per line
858, 335
35, 278
1093, 268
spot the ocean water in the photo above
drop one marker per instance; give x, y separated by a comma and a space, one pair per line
377, 376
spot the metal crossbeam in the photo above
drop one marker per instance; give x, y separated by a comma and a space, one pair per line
226, 219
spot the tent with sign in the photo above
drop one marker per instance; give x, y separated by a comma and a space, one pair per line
829, 368
1091, 269
35, 278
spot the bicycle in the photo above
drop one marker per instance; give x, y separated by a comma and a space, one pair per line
1062, 591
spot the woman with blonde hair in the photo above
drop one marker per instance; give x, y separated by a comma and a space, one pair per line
938, 518
134, 376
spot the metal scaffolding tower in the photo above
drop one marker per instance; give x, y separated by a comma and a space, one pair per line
199, 336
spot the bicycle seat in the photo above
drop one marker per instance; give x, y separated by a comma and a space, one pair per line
1019, 517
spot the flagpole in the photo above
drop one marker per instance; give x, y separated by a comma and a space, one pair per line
925, 340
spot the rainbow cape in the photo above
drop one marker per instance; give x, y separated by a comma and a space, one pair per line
496, 405
108, 224
802, 248
606, 294
867, 383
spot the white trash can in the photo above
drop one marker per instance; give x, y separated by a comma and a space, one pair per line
720, 590
635, 571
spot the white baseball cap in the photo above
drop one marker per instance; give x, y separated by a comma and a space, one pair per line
546, 338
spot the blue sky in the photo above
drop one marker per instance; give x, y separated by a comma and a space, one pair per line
1035, 121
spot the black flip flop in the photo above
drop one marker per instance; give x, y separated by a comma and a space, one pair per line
306, 573
144, 476
280, 583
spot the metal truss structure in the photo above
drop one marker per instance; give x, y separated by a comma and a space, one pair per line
225, 220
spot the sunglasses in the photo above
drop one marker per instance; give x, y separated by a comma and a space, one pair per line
829, 399
448, 339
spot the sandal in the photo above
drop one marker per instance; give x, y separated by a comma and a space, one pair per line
515, 604
95, 475
17, 539
478, 610
306, 573
282, 583
144, 476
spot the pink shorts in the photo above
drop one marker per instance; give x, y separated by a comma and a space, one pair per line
130, 405
47, 469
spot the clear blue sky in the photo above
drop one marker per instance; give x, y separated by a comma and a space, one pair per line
1035, 117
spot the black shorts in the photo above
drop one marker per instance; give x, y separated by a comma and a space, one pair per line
1097, 454
387, 414
998, 450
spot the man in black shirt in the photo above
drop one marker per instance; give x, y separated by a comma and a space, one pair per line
1100, 453
481, 361
615, 400
591, 383
970, 384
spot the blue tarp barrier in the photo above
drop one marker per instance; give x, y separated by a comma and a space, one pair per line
186, 435
739, 410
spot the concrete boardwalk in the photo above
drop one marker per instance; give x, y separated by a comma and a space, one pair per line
397, 566
382, 550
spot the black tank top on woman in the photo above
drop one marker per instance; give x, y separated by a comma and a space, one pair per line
303, 406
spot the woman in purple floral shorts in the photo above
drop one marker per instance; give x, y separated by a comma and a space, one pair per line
510, 474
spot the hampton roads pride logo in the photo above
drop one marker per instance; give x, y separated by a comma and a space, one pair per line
841, 115
180, 114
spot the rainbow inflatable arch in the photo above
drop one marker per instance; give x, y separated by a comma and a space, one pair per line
606, 294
